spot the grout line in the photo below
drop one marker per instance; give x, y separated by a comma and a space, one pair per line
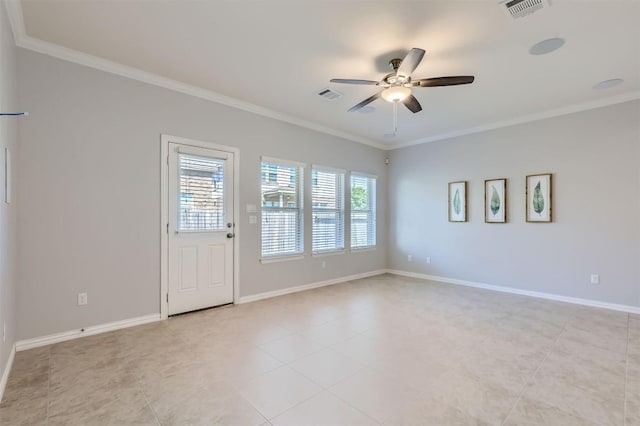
353, 406
48, 388
527, 382
144, 395
626, 372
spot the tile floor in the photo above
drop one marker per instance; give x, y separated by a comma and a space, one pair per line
384, 350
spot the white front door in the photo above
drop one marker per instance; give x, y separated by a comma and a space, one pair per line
201, 229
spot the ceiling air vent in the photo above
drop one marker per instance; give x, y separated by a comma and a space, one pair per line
520, 8
329, 94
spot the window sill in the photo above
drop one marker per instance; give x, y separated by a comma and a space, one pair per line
328, 253
278, 259
363, 249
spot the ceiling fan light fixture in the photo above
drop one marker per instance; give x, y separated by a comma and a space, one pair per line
396, 94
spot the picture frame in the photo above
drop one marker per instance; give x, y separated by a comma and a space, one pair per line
538, 195
457, 201
495, 200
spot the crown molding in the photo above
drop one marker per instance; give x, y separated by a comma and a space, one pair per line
16, 19
14, 10
570, 109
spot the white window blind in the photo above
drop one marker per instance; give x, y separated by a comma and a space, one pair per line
282, 213
327, 189
201, 204
363, 211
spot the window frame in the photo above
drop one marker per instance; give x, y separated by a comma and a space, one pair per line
372, 181
341, 211
300, 225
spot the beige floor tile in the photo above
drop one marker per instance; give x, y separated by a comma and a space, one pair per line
276, 391
375, 394
323, 409
196, 399
26, 411
414, 368
486, 401
428, 411
554, 391
326, 367
614, 339
591, 373
534, 413
386, 349
366, 348
291, 348
106, 406
632, 404
509, 365
31, 362
329, 333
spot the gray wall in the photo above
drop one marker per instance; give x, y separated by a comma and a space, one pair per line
90, 185
594, 157
8, 212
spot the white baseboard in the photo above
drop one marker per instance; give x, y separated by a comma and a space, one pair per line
7, 370
23, 345
275, 293
540, 295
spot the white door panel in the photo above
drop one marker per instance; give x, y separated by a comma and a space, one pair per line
201, 228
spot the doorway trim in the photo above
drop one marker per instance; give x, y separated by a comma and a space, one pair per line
164, 214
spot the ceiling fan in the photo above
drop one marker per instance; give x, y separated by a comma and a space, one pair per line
398, 84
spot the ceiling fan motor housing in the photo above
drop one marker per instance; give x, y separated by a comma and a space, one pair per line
392, 79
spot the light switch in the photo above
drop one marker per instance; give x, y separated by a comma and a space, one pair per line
251, 208
253, 220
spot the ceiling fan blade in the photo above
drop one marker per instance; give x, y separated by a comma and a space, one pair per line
412, 104
365, 102
444, 81
351, 81
410, 62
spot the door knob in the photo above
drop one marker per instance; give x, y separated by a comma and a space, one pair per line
231, 235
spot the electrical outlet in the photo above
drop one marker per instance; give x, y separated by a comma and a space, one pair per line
595, 279
428, 260
82, 299
324, 264
409, 258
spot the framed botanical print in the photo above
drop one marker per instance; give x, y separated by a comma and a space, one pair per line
495, 201
538, 196
458, 201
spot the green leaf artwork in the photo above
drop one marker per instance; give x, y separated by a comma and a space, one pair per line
457, 205
495, 201
538, 199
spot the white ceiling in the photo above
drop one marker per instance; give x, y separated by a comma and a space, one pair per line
278, 54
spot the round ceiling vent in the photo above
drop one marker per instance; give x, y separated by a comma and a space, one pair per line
547, 46
607, 84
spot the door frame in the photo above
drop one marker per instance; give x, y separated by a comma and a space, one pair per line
164, 213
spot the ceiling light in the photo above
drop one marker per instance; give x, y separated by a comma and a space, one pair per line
396, 93
606, 84
547, 46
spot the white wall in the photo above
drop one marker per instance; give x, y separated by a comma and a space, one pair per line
594, 157
90, 184
8, 138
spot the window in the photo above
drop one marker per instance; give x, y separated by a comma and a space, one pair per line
201, 204
327, 191
363, 211
282, 214
270, 174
